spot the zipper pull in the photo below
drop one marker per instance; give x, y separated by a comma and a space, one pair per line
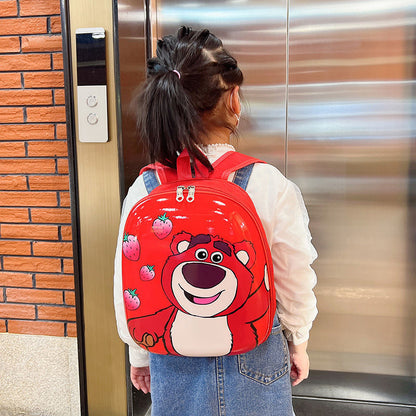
191, 193
179, 193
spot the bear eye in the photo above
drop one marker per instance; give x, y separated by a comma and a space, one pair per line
216, 257
201, 254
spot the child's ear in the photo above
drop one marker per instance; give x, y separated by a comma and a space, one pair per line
235, 105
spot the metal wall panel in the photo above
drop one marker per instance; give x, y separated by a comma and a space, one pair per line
350, 149
255, 33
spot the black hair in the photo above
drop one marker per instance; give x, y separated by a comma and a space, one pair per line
171, 104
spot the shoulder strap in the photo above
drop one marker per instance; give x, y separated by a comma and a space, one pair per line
231, 162
223, 167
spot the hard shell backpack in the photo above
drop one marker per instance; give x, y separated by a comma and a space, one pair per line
196, 266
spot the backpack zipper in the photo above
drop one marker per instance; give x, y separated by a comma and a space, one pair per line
180, 193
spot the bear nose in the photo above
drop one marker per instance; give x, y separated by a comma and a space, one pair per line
203, 275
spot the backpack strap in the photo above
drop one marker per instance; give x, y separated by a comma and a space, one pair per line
242, 165
231, 162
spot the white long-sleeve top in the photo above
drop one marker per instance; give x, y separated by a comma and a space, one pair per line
282, 211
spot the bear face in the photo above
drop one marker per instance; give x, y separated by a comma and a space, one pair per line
200, 278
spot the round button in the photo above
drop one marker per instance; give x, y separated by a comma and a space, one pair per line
92, 118
92, 101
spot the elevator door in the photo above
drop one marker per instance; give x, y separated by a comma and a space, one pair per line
329, 91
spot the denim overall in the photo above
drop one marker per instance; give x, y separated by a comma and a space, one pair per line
256, 383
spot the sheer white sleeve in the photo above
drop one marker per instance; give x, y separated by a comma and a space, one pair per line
282, 210
138, 356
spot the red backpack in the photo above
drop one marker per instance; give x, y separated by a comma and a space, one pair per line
196, 265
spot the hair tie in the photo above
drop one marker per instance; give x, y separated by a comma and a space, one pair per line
177, 73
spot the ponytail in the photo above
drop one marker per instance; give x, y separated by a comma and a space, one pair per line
184, 80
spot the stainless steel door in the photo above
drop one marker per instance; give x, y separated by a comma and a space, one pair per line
351, 141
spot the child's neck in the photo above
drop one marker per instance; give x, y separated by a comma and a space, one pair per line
217, 136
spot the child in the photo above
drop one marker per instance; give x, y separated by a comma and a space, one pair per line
190, 101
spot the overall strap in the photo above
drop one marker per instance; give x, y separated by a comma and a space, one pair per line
242, 176
150, 180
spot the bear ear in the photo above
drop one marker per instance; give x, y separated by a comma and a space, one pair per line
180, 242
245, 253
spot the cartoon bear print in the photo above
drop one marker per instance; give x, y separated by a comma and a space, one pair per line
200, 280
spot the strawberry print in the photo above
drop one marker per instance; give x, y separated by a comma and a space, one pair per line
147, 272
162, 226
131, 247
131, 300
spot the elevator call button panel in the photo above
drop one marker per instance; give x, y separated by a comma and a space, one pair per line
92, 85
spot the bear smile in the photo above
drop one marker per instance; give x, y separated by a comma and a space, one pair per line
201, 301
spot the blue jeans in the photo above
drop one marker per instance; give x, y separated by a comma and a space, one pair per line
256, 383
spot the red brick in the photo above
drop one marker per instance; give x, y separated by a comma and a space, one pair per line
1, 295
29, 231
11, 115
27, 166
27, 131
29, 198
23, 26
59, 96
10, 80
51, 148
25, 97
8, 8
12, 279
25, 62
54, 281
16, 248
61, 132
68, 266
55, 24
66, 233
14, 215
71, 330
34, 296
39, 7
57, 313
41, 248
65, 199
46, 114
10, 310
58, 61
62, 165
49, 182
69, 298
32, 264
49, 79
38, 43
36, 328
51, 215
9, 44
13, 183
12, 149
3, 325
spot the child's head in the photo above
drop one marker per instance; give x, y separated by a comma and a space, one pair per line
191, 88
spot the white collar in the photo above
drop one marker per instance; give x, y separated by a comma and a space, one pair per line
215, 150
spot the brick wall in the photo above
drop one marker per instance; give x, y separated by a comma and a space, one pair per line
36, 266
